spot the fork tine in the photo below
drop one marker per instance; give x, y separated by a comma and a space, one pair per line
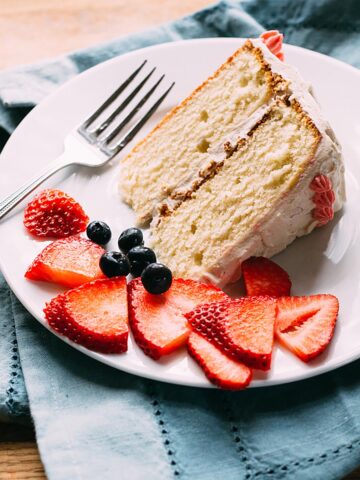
121, 107
116, 130
110, 99
134, 130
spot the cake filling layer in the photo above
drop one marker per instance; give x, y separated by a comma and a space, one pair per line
181, 146
228, 174
266, 166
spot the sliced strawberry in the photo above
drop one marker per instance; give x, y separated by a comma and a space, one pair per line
305, 325
220, 369
69, 261
241, 328
157, 321
93, 315
53, 213
264, 277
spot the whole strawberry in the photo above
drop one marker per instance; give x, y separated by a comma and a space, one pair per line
53, 213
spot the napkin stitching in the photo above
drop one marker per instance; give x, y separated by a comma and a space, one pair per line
158, 411
12, 404
327, 455
238, 437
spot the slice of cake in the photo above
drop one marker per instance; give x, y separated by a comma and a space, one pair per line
180, 149
241, 168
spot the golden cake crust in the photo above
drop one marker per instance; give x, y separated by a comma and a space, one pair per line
165, 210
274, 83
276, 86
301, 148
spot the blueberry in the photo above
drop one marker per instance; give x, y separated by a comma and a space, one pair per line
156, 278
139, 258
114, 264
130, 238
99, 232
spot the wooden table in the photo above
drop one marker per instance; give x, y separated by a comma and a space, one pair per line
32, 30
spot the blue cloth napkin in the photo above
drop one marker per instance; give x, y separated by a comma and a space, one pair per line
94, 422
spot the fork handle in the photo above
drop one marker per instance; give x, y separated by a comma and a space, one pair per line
10, 202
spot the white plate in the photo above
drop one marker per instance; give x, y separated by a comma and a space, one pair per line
327, 261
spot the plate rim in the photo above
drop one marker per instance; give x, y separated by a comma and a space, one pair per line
103, 359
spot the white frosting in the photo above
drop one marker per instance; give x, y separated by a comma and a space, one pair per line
292, 216
215, 155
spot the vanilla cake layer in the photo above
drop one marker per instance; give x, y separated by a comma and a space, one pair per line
181, 147
207, 236
232, 171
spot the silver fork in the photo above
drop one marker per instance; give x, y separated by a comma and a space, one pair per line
88, 147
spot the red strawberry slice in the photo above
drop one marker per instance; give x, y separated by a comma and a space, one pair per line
53, 213
264, 277
69, 262
220, 369
241, 328
157, 321
93, 315
305, 325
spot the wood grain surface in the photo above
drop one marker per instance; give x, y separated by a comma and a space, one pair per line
32, 30
19, 456
20, 461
